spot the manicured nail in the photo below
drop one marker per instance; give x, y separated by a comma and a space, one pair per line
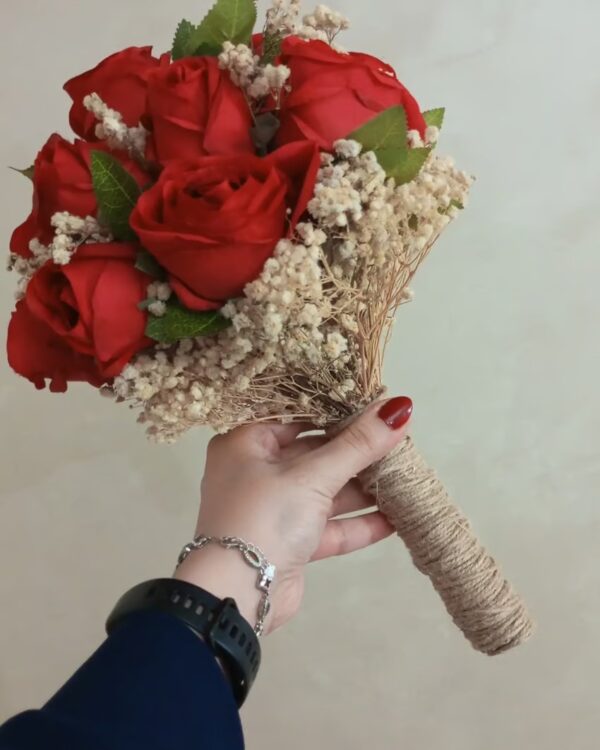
396, 412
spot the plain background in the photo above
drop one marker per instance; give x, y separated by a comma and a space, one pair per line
500, 351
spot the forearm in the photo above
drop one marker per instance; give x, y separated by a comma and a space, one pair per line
152, 684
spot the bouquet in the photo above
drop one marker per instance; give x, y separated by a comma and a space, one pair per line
228, 240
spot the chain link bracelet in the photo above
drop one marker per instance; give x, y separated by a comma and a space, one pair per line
254, 557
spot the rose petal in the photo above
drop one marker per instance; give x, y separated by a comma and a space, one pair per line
22, 236
189, 299
118, 324
43, 299
220, 273
301, 161
36, 353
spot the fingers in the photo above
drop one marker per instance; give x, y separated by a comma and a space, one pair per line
286, 434
303, 445
262, 439
370, 437
350, 499
346, 535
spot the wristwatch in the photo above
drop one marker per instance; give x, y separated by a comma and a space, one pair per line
217, 621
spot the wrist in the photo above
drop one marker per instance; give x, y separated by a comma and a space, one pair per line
224, 574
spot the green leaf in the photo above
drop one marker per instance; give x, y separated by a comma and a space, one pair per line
207, 49
25, 172
386, 136
182, 39
385, 131
149, 265
403, 165
227, 21
271, 47
117, 193
145, 303
435, 117
178, 323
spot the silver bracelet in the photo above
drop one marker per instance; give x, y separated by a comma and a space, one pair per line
254, 557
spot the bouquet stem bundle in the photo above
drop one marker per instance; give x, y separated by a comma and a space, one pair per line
440, 539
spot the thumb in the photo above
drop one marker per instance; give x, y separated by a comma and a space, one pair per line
365, 440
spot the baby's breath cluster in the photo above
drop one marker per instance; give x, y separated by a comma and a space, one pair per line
112, 129
159, 292
432, 133
70, 232
256, 80
324, 24
306, 339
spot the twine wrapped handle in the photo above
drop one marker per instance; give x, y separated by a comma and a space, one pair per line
443, 547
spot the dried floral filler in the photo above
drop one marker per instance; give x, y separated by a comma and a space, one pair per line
228, 239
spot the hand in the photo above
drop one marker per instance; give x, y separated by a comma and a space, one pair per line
284, 493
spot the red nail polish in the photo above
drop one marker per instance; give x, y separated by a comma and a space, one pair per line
396, 412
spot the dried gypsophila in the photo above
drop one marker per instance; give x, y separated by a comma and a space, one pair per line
323, 24
326, 22
304, 341
112, 129
246, 71
282, 18
159, 292
432, 134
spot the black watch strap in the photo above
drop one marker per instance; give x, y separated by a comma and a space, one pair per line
217, 621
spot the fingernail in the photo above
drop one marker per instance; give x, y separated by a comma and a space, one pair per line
396, 412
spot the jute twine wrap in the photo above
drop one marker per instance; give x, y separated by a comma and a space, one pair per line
443, 547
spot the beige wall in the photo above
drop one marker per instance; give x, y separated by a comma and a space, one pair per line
500, 352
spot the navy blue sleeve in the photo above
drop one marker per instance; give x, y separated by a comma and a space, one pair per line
152, 684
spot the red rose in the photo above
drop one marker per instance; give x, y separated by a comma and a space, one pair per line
62, 182
213, 221
80, 321
194, 109
120, 81
333, 94
37, 353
